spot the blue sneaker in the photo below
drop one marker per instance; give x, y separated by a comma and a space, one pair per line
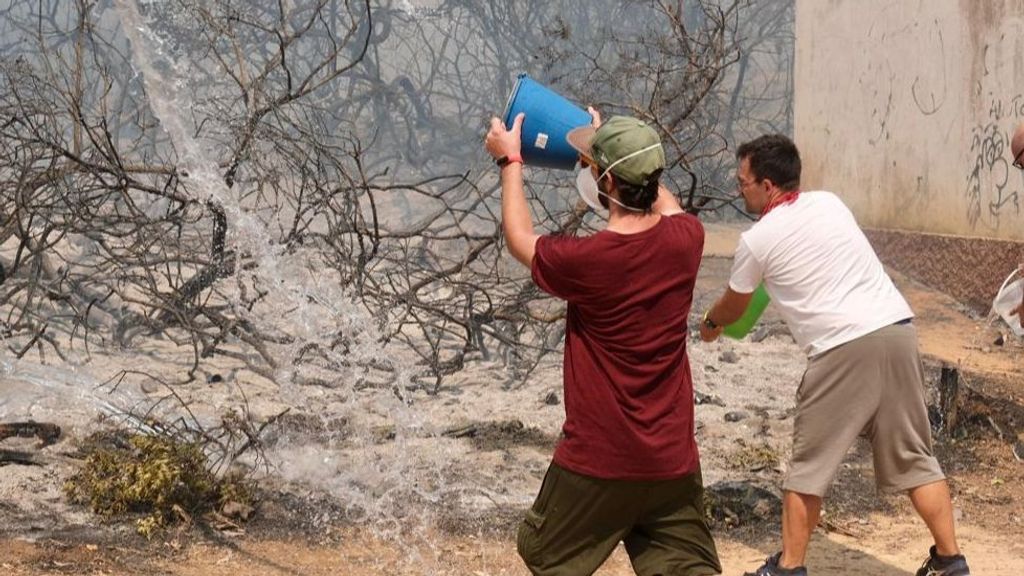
937, 565
771, 568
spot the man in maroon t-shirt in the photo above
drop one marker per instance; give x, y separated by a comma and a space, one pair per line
626, 468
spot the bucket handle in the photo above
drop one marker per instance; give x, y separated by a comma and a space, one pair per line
992, 311
1008, 278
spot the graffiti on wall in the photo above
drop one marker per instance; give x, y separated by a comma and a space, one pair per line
993, 187
1007, 109
930, 91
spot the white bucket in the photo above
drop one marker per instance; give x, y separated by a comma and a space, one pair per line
1008, 298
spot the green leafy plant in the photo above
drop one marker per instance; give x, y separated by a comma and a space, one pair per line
165, 479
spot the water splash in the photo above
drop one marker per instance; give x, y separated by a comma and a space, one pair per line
377, 482
71, 396
318, 307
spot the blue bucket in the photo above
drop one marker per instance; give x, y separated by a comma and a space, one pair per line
549, 118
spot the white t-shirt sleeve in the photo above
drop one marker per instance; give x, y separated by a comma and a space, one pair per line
747, 272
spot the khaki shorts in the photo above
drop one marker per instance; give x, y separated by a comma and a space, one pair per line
577, 521
872, 386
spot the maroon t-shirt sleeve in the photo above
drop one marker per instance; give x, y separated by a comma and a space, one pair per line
555, 266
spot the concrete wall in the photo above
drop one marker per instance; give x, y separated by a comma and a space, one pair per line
905, 108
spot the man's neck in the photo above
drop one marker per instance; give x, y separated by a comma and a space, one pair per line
623, 221
777, 198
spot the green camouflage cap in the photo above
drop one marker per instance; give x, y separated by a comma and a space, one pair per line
616, 139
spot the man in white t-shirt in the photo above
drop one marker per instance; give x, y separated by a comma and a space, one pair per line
864, 374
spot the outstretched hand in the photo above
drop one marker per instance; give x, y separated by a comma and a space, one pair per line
595, 117
502, 141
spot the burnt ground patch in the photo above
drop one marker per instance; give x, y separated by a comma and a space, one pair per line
502, 435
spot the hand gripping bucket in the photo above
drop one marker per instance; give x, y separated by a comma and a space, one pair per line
1008, 298
549, 118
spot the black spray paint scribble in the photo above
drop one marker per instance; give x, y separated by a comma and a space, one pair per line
929, 101
1012, 108
988, 186
878, 84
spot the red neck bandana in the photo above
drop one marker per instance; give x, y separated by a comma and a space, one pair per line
784, 198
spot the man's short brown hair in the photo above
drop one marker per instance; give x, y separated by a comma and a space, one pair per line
773, 157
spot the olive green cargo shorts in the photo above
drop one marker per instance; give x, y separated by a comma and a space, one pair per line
577, 521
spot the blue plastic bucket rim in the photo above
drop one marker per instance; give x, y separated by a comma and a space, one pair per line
512, 98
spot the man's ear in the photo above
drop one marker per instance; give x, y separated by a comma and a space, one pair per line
612, 182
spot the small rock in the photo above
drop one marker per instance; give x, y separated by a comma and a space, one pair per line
710, 368
782, 331
551, 399
729, 357
760, 334
999, 341
214, 378
702, 398
739, 503
237, 510
736, 416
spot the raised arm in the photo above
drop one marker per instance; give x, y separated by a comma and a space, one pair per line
516, 220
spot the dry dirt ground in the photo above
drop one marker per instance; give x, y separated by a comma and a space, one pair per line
862, 532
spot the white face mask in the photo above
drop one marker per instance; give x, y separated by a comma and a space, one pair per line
587, 187
589, 191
